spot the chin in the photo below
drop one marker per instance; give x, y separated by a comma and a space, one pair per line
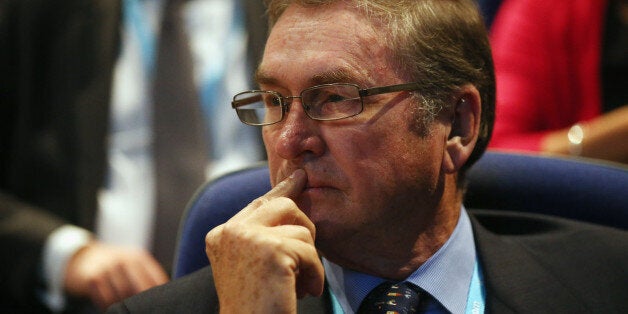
330, 219
333, 239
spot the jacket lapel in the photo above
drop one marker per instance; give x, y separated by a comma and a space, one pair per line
515, 277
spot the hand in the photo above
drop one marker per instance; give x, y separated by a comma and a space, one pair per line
604, 137
107, 274
264, 257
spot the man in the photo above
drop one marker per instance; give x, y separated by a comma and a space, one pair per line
63, 67
372, 111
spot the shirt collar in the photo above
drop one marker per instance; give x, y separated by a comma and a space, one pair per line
446, 275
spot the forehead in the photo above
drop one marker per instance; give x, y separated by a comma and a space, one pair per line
308, 42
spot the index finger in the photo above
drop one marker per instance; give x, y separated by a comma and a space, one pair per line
290, 187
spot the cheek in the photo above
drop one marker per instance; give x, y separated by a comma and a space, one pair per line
391, 158
367, 159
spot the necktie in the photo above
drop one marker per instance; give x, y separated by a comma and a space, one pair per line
388, 297
180, 145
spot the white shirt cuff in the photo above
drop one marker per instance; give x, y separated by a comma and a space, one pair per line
58, 249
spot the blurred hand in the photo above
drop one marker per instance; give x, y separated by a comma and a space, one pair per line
604, 137
264, 258
107, 274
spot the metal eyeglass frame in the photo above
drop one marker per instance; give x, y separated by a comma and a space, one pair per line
286, 101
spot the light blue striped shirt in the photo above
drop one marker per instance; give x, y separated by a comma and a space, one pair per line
446, 276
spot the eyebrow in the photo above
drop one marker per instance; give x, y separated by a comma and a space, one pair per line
335, 76
261, 77
339, 75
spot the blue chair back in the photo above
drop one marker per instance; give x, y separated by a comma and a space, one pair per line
214, 203
573, 188
576, 188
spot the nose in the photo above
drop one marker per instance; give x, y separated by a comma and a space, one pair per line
297, 136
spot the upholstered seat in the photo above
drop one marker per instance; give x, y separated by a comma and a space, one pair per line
579, 189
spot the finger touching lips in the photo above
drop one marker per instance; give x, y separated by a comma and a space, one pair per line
290, 187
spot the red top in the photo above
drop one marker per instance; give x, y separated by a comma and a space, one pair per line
547, 66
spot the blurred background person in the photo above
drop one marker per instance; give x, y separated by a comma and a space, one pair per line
562, 69
111, 115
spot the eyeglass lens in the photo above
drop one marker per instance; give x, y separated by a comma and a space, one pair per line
324, 102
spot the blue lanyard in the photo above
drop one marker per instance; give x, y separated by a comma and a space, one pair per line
135, 18
337, 309
477, 294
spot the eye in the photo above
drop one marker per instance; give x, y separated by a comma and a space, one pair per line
328, 96
333, 105
336, 107
271, 100
335, 98
332, 101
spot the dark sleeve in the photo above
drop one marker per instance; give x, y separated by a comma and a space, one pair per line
23, 228
39, 171
23, 232
118, 308
194, 293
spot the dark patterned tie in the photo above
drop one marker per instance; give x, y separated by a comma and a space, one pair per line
180, 145
391, 298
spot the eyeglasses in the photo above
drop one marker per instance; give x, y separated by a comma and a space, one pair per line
321, 102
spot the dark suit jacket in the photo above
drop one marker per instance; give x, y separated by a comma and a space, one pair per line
56, 67
531, 264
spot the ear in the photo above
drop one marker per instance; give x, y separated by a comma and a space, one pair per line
465, 126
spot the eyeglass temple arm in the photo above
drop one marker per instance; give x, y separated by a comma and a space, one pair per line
245, 101
388, 89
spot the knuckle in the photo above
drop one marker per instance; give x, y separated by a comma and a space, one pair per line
212, 239
225, 235
230, 229
284, 206
95, 281
285, 202
259, 202
213, 234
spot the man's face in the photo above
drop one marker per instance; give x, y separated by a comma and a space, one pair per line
365, 173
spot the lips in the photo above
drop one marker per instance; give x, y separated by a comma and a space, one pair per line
318, 187
316, 184
314, 180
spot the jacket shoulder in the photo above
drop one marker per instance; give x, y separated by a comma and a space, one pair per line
194, 293
527, 257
